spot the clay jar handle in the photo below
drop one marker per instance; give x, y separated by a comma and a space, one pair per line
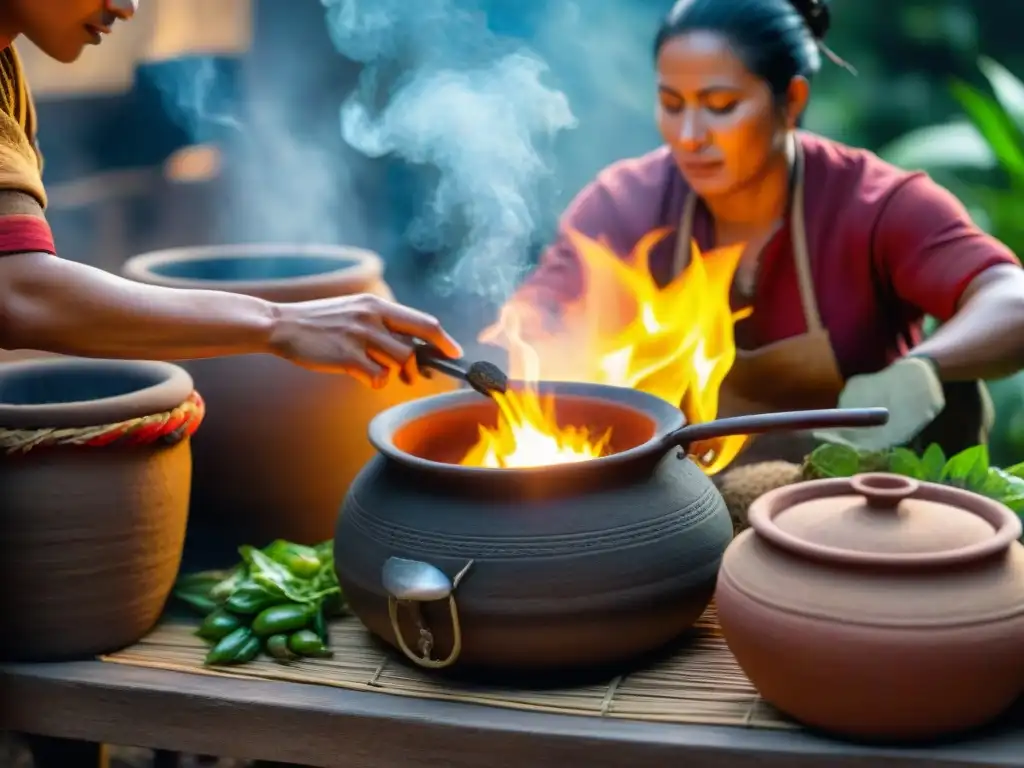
883, 491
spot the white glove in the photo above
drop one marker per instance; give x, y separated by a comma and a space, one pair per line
910, 388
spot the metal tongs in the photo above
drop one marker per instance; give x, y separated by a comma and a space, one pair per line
486, 378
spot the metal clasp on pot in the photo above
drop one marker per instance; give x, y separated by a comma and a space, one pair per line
410, 583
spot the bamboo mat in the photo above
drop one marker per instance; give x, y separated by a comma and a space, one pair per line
701, 684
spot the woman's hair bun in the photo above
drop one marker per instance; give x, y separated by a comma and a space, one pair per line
817, 15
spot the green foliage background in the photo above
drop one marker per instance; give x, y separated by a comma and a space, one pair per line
939, 89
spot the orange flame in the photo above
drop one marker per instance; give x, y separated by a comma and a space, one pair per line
674, 342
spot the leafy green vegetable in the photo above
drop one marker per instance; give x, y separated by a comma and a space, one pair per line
261, 579
905, 462
970, 469
933, 461
831, 460
1017, 470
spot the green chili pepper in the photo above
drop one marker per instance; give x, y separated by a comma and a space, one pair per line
282, 618
218, 625
334, 604
320, 626
306, 643
229, 648
251, 598
248, 652
198, 602
277, 647
201, 582
300, 560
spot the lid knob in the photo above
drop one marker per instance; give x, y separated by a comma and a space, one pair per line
882, 490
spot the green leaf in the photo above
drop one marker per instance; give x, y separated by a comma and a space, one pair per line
991, 120
967, 469
1015, 502
903, 461
832, 460
873, 461
1008, 88
933, 463
1017, 470
955, 145
996, 486
272, 575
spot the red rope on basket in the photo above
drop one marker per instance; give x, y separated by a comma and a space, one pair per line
167, 428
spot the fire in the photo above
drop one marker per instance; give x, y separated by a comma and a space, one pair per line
674, 342
528, 434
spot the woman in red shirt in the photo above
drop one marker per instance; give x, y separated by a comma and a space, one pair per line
59, 306
844, 253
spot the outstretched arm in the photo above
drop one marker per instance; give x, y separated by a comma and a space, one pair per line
57, 305
54, 305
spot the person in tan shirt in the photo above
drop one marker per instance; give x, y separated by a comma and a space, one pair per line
54, 305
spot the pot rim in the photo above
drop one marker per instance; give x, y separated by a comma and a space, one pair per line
357, 266
762, 514
666, 417
170, 386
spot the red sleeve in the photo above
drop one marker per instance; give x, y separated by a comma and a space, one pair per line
930, 250
23, 233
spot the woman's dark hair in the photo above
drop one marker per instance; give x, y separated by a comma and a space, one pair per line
777, 39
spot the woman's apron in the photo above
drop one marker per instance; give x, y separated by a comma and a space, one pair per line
801, 372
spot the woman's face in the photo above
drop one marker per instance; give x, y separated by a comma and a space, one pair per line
720, 120
62, 28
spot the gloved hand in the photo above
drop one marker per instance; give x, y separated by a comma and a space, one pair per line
910, 388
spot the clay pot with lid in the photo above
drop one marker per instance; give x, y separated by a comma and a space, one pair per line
878, 607
281, 444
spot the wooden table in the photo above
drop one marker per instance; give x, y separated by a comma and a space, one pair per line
321, 726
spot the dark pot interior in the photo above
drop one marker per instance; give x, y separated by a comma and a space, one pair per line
248, 268
71, 392
56, 384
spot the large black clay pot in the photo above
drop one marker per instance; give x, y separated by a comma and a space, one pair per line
575, 565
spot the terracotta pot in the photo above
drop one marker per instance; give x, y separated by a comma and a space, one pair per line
878, 607
569, 566
281, 444
93, 533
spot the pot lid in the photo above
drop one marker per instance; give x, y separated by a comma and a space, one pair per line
884, 519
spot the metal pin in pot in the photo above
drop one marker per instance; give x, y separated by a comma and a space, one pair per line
409, 584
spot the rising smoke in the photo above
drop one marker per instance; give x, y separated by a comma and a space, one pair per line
510, 105
440, 88
468, 103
